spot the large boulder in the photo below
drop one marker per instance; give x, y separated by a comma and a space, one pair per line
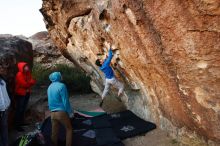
168, 56
13, 50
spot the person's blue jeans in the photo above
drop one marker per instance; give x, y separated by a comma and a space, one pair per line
21, 106
4, 128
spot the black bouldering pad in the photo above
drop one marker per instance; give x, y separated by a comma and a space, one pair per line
126, 125
106, 136
104, 130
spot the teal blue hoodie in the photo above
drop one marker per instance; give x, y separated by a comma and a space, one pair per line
58, 99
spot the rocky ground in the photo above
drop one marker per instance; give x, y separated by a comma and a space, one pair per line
38, 111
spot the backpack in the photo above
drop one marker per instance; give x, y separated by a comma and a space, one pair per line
36, 139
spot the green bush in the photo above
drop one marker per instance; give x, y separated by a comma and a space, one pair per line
41, 74
75, 79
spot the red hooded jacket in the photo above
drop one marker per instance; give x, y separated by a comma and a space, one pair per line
24, 81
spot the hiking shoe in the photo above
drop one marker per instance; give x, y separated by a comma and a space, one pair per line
19, 129
101, 103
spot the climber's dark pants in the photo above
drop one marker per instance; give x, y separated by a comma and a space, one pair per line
4, 128
21, 105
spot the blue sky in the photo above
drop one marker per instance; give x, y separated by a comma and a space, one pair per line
21, 17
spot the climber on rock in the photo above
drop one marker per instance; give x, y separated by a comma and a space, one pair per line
110, 79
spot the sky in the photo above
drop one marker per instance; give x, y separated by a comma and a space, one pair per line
21, 17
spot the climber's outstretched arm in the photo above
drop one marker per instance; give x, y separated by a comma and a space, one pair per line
108, 60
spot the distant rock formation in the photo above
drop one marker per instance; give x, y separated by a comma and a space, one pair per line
168, 56
45, 52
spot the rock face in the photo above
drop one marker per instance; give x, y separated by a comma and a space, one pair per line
168, 56
45, 52
13, 50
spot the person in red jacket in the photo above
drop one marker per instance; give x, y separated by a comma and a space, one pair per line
23, 84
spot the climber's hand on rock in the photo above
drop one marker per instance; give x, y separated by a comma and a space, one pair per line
108, 45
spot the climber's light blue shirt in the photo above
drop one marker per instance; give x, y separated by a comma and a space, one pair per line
58, 99
106, 68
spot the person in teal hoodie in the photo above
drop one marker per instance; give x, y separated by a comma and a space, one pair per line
110, 79
59, 105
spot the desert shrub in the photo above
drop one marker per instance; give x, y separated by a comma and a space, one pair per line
75, 79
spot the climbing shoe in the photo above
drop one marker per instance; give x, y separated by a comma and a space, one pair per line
101, 103
119, 99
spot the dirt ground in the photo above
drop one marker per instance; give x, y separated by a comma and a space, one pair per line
88, 102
